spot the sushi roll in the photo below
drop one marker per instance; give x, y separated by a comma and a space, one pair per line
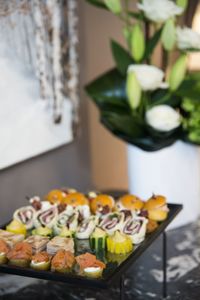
4, 248
20, 255
62, 262
40, 261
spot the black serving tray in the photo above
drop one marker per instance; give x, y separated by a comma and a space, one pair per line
114, 269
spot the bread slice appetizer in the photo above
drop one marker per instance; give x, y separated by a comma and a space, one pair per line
58, 243
20, 255
89, 265
37, 242
40, 261
4, 249
63, 261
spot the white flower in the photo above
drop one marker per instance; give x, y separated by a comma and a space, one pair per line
187, 38
163, 118
149, 77
160, 11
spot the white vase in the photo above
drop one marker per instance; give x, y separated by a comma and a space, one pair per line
173, 171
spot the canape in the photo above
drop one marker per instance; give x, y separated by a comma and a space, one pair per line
86, 227
58, 243
63, 261
20, 255
136, 229
130, 202
16, 227
25, 215
89, 265
98, 239
4, 248
157, 208
46, 218
40, 261
76, 199
37, 242
100, 202
43, 231
119, 243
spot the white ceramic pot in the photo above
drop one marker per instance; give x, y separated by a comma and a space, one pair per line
173, 171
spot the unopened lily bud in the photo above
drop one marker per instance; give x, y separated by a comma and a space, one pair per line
168, 37
182, 3
114, 6
178, 72
137, 43
133, 90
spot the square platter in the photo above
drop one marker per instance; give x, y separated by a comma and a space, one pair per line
116, 265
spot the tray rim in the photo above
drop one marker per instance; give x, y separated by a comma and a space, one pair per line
103, 283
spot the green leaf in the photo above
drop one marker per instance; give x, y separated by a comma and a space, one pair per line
109, 89
135, 15
114, 6
189, 88
182, 3
152, 43
168, 37
121, 56
97, 3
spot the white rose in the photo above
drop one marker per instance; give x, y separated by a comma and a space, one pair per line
149, 77
163, 118
187, 38
159, 11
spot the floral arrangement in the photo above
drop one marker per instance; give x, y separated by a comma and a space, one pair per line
145, 105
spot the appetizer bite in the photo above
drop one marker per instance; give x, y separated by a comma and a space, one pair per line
63, 261
46, 217
86, 228
37, 242
20, 255
130, 202
151, 226
25, 215
65, 232
76, 199
136, 229
40, 261
98, 240
10, 238
89, 265
4, 249
43, 231
55, 196
58, 243
119, 243
102, 204
111, 222
157, 208
16, 227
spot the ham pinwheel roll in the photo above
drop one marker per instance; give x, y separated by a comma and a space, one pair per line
112, 222
86, 228
25, 215
136, 229
46, 217
62, 220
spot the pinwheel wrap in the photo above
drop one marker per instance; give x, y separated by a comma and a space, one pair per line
112, 222
46, 217
25, 215
136, 229
86, 228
